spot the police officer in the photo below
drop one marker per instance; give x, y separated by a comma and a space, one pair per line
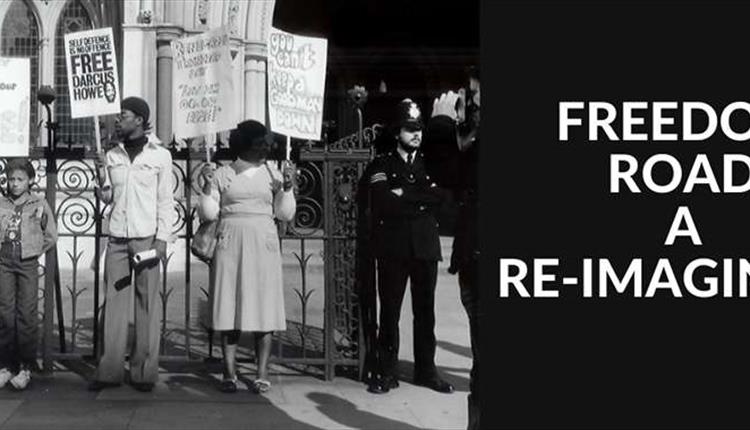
406, 245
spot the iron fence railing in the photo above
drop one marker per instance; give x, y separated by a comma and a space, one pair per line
317, 249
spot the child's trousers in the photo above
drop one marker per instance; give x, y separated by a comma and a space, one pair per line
19, 289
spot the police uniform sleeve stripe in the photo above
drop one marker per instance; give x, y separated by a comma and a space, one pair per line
378, 177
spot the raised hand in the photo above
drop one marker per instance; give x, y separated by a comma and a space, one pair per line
446, 105
208, 172
289, 174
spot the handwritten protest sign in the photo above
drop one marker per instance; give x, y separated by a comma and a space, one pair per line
14, 106
296, 84
93, 81
202, 86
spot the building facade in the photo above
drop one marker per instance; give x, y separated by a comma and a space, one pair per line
144, 30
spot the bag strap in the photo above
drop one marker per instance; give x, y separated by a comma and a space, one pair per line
270, 173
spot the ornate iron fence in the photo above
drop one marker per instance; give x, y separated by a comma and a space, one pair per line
323, 327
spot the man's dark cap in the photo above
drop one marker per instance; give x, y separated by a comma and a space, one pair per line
138, 106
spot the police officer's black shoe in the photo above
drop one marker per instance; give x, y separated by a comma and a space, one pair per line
377, 386
435, 383
368, 377
390, 382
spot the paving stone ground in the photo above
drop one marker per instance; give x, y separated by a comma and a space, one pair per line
187, 398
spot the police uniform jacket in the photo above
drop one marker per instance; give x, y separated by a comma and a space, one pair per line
405, 226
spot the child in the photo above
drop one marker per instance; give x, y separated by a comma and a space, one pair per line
27, 230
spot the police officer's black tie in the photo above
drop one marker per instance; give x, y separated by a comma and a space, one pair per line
410, 158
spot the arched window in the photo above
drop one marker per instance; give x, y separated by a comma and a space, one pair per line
71, 131
20, 38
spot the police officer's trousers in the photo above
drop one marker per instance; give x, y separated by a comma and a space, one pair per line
392, 277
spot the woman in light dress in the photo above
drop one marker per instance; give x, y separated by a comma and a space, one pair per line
246, 286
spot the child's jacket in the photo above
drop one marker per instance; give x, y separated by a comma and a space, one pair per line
38, 230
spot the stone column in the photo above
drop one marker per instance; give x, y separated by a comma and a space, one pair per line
138, 71
164, 35
255, 81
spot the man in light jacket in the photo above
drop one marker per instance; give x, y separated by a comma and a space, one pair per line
137, 181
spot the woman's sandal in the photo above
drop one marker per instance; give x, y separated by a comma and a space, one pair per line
228, 386
261, 386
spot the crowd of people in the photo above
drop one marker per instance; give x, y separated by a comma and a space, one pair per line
401, 193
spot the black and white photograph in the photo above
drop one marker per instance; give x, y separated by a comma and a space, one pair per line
239, 214
265, 214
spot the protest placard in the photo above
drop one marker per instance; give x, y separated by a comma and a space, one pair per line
14, 106
296, 84
93, 81
202, 86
